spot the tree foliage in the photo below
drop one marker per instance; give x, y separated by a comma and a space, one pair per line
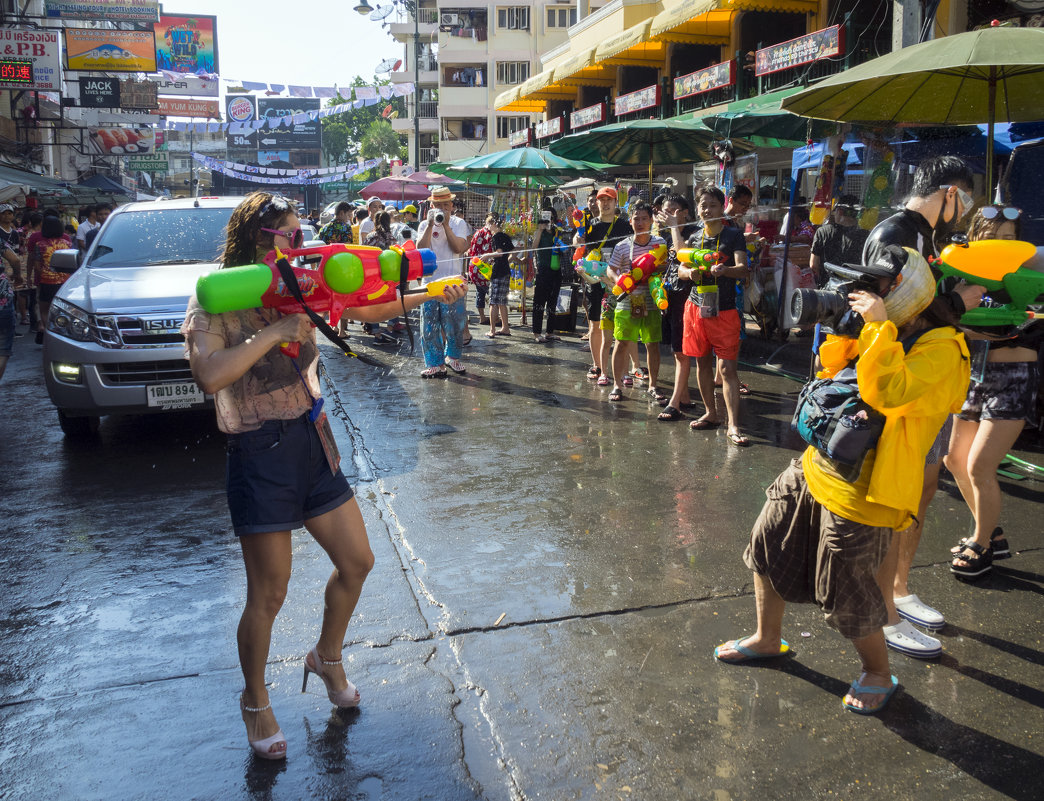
344, 134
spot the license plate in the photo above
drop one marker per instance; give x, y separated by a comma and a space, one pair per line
174, 395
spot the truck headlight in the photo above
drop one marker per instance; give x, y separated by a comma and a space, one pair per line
69, 321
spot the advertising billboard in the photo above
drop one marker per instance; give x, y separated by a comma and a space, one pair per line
189, 107
240, 109
120, 141
304, 136
100, 92
43, 48
108, 50
187, 43
185, 85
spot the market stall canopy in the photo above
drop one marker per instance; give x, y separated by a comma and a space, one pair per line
985, 76
396, 187
106, 184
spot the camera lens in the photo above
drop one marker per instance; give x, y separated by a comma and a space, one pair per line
440, 218
808, 306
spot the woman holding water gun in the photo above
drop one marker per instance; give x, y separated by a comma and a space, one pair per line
1002, 399
282, 470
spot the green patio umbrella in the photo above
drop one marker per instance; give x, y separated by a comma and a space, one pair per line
966, 79
769, 128
652, 142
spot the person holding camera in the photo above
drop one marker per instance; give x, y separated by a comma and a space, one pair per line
442, 325
941, 197
825, 538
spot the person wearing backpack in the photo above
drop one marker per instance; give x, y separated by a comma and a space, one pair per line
826, 540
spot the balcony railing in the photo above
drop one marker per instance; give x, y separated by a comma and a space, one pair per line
428, 16
425, 109
428, 155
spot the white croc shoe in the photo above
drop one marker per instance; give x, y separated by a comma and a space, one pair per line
905, 639
911, 608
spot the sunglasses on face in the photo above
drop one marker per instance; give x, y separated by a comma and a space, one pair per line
993, 212
295, 237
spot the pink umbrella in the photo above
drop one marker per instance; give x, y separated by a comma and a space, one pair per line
396, 188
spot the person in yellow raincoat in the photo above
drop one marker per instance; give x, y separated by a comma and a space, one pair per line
821, 539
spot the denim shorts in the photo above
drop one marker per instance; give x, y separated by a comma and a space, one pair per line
7, 329
277, 477
1008, 391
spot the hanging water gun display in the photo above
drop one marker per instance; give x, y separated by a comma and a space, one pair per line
641, 268
824, 196
659, 294
346, 277
879, 190
997, 265
700, 259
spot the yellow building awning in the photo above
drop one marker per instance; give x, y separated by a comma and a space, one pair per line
622, 42
574, 64
693, 23
512, 100
793, 6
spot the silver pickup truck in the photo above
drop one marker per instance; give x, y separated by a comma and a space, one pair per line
112, 344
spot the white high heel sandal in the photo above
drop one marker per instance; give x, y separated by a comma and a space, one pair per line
346, 698
263, 748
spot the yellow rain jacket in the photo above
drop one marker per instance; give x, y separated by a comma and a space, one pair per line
915, 392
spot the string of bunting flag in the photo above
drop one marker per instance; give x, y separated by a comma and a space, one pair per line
276, 175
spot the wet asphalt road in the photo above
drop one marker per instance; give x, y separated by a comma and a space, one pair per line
608, 543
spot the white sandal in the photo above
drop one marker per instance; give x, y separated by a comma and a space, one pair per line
263, 748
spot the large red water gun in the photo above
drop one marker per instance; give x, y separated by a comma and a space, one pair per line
331, 278
641, 268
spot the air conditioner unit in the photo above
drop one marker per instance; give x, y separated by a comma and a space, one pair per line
449, 20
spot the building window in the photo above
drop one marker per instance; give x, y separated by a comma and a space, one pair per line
515, 18
512, 72
464, 76
561, 17
508, 125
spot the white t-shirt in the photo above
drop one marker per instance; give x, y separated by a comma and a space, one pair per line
365, 227
84, 229
448, 261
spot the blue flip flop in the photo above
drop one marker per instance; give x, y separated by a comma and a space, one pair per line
748, 654
858, 687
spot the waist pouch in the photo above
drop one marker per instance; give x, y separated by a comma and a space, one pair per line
831, 417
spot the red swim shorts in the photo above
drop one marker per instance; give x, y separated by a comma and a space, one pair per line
704, 335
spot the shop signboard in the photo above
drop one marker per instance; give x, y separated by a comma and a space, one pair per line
648, 97
587, 116
189, 107
16, 71
716, 77
300, 136
109, 10
110, 50
150, 162
551, 127
100, 92
138, 95
43, 48
520, 138
187, 43
266, 157
826, 43
184, 85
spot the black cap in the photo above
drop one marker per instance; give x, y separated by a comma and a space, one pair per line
888, 264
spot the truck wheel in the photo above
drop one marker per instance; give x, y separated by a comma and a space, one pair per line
78, 427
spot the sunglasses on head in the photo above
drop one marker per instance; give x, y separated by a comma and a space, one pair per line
993, 212
277, 203
294, 237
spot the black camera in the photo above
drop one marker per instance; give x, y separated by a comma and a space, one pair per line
829, 305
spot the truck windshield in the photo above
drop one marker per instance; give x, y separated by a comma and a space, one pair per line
161, 236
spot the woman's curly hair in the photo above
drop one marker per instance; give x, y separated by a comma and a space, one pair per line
258, 210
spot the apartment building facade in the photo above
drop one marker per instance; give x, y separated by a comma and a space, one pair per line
462, 54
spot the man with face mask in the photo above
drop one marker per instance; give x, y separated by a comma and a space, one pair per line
941, 197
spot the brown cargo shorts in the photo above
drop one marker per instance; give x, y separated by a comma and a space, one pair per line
810, 555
